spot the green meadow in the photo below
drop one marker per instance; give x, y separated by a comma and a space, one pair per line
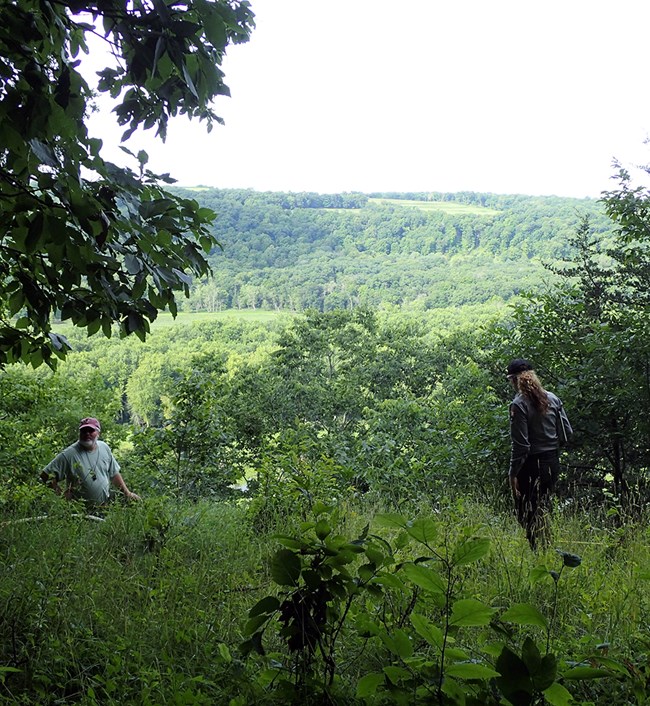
448, 207
185, 318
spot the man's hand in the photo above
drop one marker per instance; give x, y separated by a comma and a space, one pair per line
119, 483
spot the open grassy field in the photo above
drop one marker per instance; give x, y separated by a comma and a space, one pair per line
451, 207
190, 317
165, 319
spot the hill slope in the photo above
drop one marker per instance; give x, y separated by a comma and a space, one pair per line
294, 251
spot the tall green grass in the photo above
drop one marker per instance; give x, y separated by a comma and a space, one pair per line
148, 606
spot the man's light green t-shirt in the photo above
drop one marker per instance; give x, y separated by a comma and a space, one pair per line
88, 473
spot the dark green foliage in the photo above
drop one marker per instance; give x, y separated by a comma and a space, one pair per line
401, 599
629, 208
81, 236
522, 678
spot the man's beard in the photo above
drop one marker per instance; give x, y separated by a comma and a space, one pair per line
87, 443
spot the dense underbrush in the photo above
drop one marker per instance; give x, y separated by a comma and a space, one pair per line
171, 603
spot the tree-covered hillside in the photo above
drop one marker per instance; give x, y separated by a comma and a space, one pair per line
325, 251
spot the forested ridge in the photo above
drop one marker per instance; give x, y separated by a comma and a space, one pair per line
326, 251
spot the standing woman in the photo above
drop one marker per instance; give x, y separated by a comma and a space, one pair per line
538, 425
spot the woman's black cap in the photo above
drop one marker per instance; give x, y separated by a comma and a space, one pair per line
518, 365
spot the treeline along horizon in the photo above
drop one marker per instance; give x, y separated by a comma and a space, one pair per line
295, 251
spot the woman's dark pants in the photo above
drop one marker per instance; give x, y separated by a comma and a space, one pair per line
536, 479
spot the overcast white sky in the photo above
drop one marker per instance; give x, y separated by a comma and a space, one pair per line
508, 96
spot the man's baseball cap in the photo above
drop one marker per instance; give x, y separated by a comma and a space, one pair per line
518, 365
91, 422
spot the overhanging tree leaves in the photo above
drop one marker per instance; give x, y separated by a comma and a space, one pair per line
79, 235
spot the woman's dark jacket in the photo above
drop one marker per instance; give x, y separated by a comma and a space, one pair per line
534, 433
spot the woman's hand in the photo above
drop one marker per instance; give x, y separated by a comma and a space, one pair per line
514, 484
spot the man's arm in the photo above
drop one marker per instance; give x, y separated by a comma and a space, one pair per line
51, 482
118, 482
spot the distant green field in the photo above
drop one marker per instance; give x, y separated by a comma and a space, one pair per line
183, 318
165, 319
452, 207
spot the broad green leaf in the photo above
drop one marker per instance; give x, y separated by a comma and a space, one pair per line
531, 655
546, 673
557, 695
402, 541
469, 611
390, 520
424, 530
493, 649
367, 685
224, 653
265, 606
16, 302
267, 677
525, 614
426, 629
285, 568
322, 529
396, 674
366, 571
93, 326
213, 25
253, 623
585, 672
34, 233
471, 550
613, 665
289, 542
455, 654
424, 577
514, 681
388, 581
133, 264
399, 643
36, 358
320, 508
471, 670
366, 627
375, 555
43, 152
454, 690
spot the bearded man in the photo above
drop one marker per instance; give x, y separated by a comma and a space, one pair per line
88, 468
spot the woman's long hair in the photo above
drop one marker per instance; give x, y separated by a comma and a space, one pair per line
531, 388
